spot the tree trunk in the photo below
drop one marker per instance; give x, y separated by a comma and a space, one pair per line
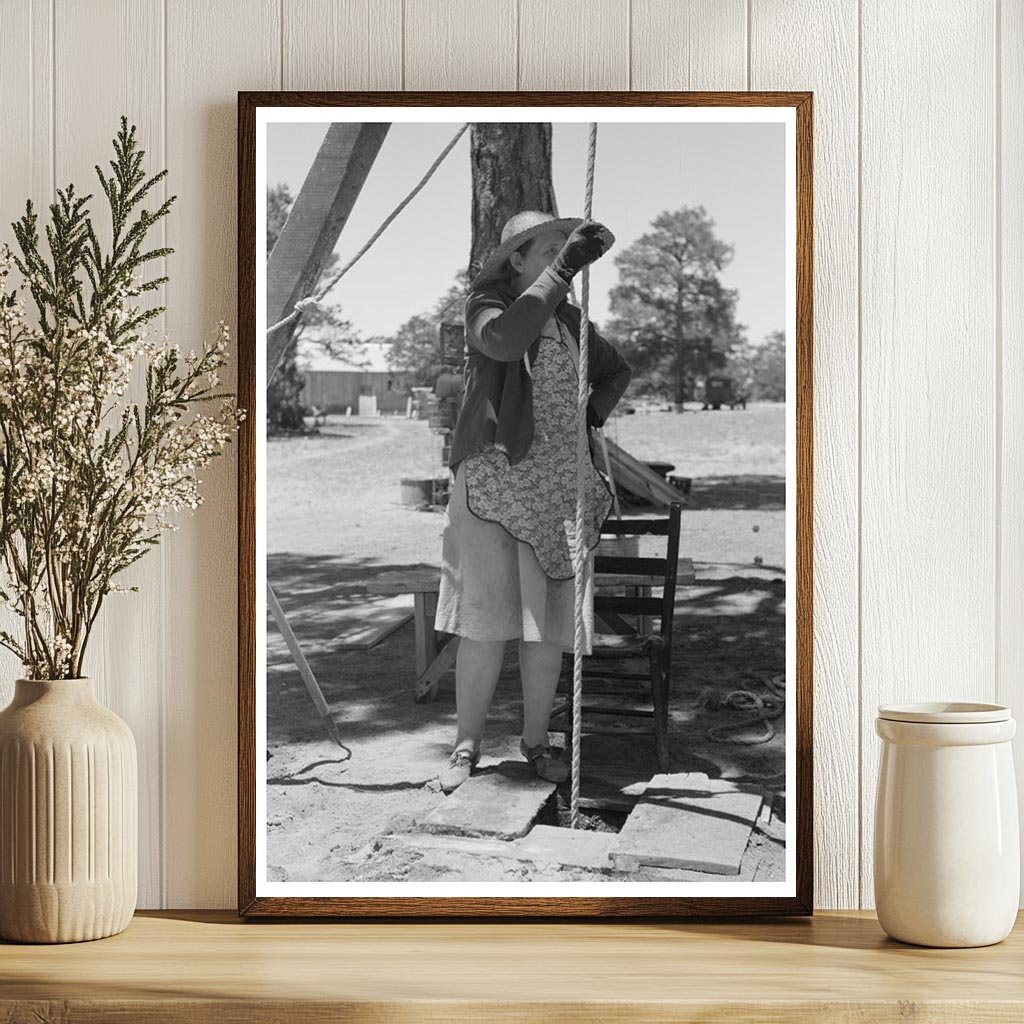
511, 171
680, 359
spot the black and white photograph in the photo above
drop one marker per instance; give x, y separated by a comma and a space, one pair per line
517, 635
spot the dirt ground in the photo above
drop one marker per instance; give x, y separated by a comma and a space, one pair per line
335, 517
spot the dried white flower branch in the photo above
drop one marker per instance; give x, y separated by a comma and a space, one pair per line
88, 477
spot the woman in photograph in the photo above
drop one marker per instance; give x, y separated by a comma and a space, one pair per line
508, 541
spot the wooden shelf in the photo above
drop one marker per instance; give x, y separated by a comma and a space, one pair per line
200, 966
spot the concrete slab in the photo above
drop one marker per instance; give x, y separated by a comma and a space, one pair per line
451, 844
569, 847
689, 821
543, 845
768, 823
498, 804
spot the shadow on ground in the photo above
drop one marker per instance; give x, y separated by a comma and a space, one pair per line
728, 636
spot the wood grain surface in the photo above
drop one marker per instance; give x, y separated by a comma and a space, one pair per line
209, 966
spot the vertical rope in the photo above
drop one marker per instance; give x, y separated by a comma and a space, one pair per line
582, 482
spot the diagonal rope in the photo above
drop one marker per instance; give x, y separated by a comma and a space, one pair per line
312, 300
582, 482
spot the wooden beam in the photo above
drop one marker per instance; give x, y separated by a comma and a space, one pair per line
316, 219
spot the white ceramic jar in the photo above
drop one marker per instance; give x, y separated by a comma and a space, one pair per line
947, 846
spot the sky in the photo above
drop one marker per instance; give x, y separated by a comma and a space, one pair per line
736, 171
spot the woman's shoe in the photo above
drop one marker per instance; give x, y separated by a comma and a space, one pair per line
458, 769
544, 762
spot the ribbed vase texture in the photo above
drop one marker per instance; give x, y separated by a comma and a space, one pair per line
68, 815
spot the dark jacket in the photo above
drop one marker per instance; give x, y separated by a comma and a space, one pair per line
497, 406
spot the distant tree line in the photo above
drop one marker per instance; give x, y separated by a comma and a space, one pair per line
670, 314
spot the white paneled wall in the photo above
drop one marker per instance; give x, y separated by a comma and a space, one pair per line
919, 327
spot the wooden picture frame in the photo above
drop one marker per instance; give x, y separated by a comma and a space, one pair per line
254, 901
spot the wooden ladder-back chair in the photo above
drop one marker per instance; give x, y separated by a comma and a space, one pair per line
639, 575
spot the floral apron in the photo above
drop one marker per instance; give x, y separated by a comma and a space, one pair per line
535, 500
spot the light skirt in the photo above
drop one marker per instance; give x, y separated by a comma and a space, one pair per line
493, 588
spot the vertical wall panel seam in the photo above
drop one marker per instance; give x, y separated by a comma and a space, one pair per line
860, 459
997, 212
519, 37
162, 696
53, 98
750, 69
31, 92
629, 45
402, 42
688, 36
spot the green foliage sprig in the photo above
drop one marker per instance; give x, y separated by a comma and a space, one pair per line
88, 476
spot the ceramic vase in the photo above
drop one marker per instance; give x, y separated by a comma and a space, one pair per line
947, 846
68, 815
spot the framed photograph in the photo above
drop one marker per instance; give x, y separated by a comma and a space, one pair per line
525, 504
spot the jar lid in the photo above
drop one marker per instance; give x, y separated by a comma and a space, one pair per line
944, 712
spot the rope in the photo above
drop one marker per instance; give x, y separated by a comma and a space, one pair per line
765, 708
582, 480
314, 300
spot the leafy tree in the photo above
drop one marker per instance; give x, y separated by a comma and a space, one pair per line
279, 202
670, 312
284, 396
414, 347
760, 370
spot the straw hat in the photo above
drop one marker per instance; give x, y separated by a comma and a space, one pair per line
520, 228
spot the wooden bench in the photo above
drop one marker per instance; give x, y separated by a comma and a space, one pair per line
435, 652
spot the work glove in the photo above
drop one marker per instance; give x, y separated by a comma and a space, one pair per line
588, 242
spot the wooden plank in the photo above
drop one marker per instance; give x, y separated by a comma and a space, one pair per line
426, 640
638, 478
126, 654
298, 658
647, 605
929, 366
567, 847
469, 45
212, 52
315, 222
428, 581
401, 581
651, 567
575, 44
647, 524
828, 66
1009, 682
616, 642
430, 680
381, 617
